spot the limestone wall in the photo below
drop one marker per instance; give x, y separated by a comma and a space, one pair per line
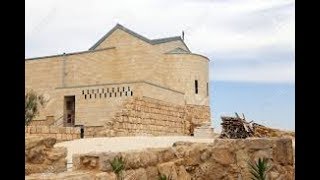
224, 159
120, 61
42, 157
147, 116
59, 133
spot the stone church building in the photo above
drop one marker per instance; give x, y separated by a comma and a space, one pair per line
125, 84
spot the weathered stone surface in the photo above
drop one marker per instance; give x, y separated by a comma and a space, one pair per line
140, 174
42, 157
105, 176
78, 175
283, 151
182, 174
168, 169
105, 159
223, 156
152, 172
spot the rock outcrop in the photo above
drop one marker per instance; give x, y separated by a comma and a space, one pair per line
224, 159
42, 157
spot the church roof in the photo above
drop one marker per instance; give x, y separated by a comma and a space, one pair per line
153, 41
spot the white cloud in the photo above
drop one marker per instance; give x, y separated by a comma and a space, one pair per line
274, 72
233, 27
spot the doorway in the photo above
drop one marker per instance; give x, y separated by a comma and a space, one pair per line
69, 110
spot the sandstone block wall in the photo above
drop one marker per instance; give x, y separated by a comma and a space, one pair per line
59, 133
120, 61
46, 122
147, 116
42, 157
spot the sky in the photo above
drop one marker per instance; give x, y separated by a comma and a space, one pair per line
250, 44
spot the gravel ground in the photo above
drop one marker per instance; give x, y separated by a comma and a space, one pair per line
121, 144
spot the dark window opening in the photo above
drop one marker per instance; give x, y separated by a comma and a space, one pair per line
122, 88
110, 95
112, 89
126, 94
128, 88
196, 86
90, 96
105, 95
120, 94
95, 95
82, 91
107, 90
115, 94
118, 89
100, 96
88, 91
85, 96
131, 93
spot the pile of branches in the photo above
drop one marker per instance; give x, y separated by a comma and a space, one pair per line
236, 127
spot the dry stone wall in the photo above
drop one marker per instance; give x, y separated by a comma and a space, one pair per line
59, 133
147, 116
223, 159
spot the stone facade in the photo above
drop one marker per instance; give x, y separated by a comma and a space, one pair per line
224, 159
118, 68
58, 133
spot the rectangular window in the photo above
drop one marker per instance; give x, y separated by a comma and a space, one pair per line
196, 86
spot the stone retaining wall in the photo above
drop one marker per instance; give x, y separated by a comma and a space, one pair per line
147, 116
224, 159
59, 133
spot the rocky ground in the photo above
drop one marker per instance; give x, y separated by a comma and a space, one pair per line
122, 144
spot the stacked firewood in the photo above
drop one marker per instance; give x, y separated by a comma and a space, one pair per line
236, 127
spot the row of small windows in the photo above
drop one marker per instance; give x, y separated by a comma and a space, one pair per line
106, 95
107, 90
